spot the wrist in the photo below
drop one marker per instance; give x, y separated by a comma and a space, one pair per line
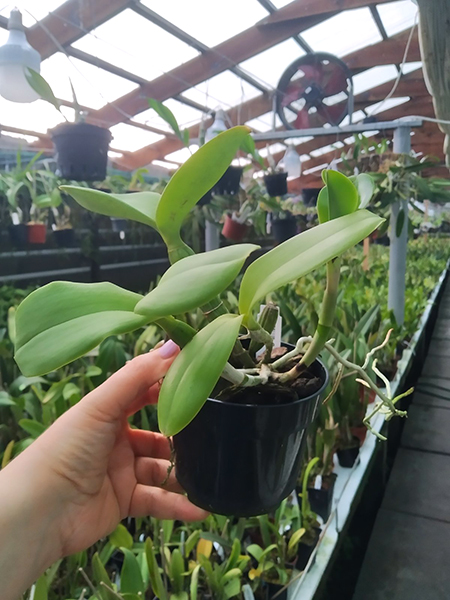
28, 517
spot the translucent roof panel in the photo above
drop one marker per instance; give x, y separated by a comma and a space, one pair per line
38, 116
180, 156
184, 114
94, 87
346, 32
412, 66
268, 66
386, 105
31, 10
373, 77
135, 44
127, 137
281, 3
397, 16
273, 149
222, 91
209, 24
264, 122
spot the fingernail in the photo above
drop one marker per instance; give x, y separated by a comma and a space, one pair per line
168, 350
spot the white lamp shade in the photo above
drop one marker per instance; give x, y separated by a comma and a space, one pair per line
15, 56
217, 127
291, 162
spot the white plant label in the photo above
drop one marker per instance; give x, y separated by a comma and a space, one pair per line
318, 482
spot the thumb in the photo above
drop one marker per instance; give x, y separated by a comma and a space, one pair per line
118, 393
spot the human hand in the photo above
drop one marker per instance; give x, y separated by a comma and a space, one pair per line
90, 470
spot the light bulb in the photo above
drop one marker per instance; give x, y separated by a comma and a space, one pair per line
15, 56
217, 127
291, 163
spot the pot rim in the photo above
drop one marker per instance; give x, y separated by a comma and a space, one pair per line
307, 399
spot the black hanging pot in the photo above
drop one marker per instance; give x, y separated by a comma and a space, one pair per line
321, 500
65, 238
229, 182
309, 196
18, 234
283, 229
305, 550
81, 151
276, 184
347, 456
119, 224
243, 459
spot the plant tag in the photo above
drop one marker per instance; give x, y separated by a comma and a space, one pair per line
15, 218
318, 482
276, 333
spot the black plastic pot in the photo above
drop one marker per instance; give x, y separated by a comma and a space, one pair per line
18, 234
244, 459
274, 588
229, 182
309, 196
65, 238
119, 224
347, 456
283, 229
321, 500
276, 184
81, 151
305, 551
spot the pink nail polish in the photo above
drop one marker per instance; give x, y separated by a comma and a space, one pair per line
168, 350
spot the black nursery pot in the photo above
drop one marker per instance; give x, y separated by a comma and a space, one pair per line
276, 184
244, 459
321, 500
283, 229
305, 550
274, 588
309, 196
347, 457
18, 234
65, 238
229, 182
81, 151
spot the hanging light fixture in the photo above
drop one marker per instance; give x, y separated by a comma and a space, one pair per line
291, 163
15, 56
218, 125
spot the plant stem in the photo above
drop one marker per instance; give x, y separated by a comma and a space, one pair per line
326, 315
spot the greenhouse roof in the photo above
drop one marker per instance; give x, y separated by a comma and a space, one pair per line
195, 58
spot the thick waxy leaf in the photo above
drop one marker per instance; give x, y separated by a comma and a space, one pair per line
302, 254
130, 576
366, 187
41, 87
195, 372
62, 321
339, 198
194, 281
196, 177
139, 206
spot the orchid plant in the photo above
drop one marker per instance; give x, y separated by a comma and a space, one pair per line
62, 321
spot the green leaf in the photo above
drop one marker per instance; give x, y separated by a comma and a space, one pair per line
6, 400
121, 537
40, 590
62, 321
155, 577
32, 427
139, 206
193, 588
400, 222
193, 179
256, 551
176, 571
232, 588
166, 114
41, 87
302, 254
130, 575
201, 278
342, 194
101, 576
323, 209
366, 186
195, 372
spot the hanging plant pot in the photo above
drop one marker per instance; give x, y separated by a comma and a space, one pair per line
321, 500
232, 230
229, 182
36, 233
309, 196
243, 457
283, 229
306, 549
276, 184
81, 151
119, 224
65, 238
347, 456
18, 234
